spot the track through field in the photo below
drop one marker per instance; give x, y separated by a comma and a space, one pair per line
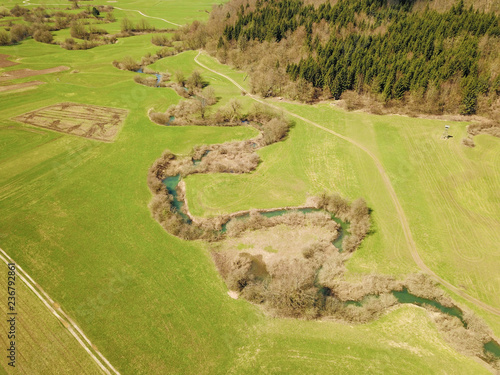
145, 15
105, 366
387, 182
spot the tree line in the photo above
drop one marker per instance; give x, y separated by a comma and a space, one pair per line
365, 46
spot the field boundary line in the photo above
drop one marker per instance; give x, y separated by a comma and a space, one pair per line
145, 15
66, 321
387, 182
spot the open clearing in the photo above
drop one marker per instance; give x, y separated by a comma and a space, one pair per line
89, 121
75, 216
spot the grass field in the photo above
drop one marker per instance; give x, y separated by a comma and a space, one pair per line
38, 330
450, 193
75, 216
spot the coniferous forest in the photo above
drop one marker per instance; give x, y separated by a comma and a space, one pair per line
429, 61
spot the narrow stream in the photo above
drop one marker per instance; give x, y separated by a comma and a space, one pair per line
158, 76
172, 182
171, 185
403, 296
493, 347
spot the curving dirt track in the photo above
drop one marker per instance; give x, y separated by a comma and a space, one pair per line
145, 15
387, 182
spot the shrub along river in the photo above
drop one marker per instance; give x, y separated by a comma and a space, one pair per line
158, 76
403, 296
171, 185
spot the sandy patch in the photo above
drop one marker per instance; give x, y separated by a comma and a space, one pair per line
23, 73
233, 294
19, 86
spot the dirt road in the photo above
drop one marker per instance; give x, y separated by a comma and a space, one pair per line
387, 182
145, 15
66, 321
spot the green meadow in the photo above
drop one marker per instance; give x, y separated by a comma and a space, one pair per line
75, 216
37, 329
450, 193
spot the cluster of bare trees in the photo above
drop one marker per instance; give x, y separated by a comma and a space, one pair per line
129, 63
272, 125
312, 287
357, 213
127, 26
150, 81
488, 127
161, 40
293, 218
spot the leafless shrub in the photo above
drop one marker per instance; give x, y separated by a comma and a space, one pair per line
194, 81
150, 81
4, 12
240, 274
464, 340
369, 285
275, 130
128, 63
491, 128
180, 78
18, 32
4, 38
161, 40
127, 25
468, 142
164, 52
78, 30
43, 36
423, 286
18, 11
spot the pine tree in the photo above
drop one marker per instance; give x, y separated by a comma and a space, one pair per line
469, 98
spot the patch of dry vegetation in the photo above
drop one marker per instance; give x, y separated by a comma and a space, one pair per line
23, 73
308, 282
272, 125
304, 276
489, 127
39, 23
129, 63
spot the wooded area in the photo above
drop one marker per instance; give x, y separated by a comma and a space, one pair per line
428, 61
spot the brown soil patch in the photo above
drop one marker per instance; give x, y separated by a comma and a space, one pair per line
89, 121
20, 86
23, 73
5, 63
233, 294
